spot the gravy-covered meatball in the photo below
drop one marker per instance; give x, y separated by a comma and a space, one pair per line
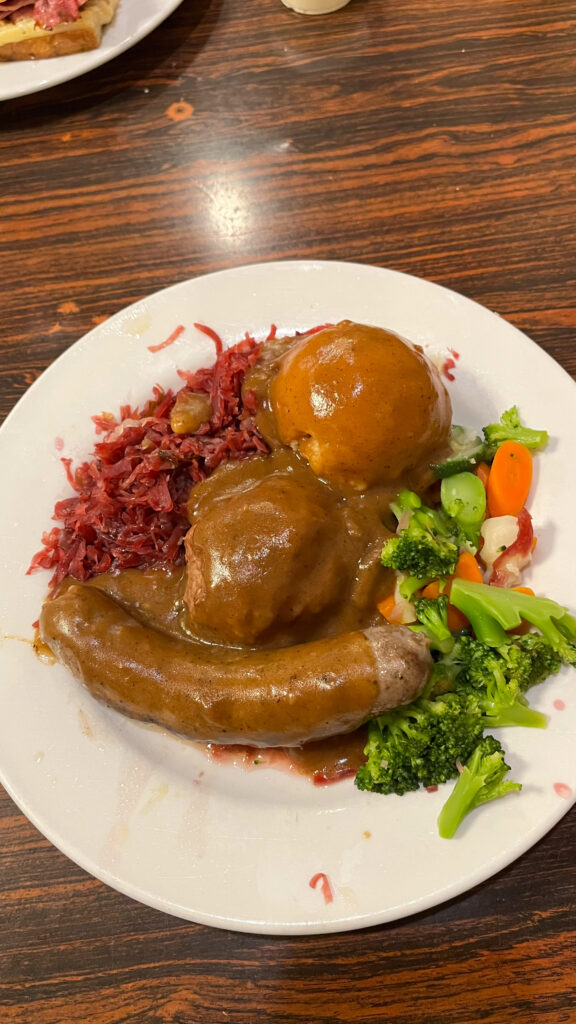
263, 556
361, 404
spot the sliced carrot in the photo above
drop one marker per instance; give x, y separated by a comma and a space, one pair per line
483, 472
386, 606
467, 568
392, 612
509, 480
524, 626
456, 619
432, 590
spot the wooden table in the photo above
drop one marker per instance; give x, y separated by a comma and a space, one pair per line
437, 139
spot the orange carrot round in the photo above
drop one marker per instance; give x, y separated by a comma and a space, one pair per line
524, 626
510, 479
386, 606
456, 619
467, 568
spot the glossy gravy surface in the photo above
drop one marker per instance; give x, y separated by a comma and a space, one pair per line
276, 557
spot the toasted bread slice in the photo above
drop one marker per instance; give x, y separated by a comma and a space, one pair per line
24, 40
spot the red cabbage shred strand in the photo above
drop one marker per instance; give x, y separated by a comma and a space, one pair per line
129, 506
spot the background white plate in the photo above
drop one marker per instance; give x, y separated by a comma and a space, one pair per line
146, 812
134, 19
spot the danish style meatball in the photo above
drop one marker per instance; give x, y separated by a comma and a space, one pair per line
264, 556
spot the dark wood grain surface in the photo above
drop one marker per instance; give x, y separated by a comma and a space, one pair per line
433, 138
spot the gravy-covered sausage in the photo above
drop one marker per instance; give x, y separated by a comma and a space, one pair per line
264, 698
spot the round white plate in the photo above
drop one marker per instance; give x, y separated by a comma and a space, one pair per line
145, 811
134, 19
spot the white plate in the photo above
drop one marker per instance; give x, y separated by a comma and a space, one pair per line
146, 812
134, 19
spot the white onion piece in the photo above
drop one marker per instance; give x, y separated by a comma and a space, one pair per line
498, 533
404, 611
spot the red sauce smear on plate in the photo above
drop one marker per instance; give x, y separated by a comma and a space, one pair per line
322, 880
448, 365
323, 761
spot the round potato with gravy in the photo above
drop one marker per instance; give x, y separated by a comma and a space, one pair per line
363, 406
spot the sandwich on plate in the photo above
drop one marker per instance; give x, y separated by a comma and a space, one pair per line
52, 28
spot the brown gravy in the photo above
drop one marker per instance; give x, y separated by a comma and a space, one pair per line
241, 544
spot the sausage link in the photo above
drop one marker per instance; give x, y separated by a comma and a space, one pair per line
265, 698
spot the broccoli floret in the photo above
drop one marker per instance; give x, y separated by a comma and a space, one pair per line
419, 554
445, 672
504, 706
527, 659
498, 677
480, 780
432, 615
427, 546
473, 686
532, 660
493, 610
510, 428
421, 743
466, 451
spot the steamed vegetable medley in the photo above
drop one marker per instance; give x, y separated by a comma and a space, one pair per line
459, 569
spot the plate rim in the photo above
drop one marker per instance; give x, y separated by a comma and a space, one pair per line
92, 59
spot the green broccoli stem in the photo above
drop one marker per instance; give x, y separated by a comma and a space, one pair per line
407, 501
461, 799
480, 780
409, 585
467, 449
493, 610
510, 428
512, 715
432, 621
